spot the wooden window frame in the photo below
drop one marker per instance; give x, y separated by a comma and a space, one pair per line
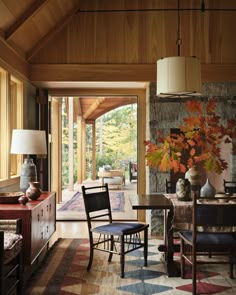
11, 117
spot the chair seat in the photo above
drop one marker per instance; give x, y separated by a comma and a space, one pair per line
12, 246
117, 228
203, 239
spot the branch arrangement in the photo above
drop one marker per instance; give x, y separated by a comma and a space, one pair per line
201, 137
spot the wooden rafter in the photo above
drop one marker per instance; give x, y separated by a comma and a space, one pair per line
36, 5
41, 43
93, 107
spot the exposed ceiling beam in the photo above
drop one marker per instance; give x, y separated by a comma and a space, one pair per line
77, 107
120, 72
93, 107
13, 59
42, 42
32, 9
93, 92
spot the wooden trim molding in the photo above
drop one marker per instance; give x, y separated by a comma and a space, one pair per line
120, 72
12, 60
92, 72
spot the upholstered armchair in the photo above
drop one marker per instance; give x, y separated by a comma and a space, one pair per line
11, 260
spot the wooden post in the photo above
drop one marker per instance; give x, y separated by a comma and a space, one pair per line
71, 150
94, 172
79, 149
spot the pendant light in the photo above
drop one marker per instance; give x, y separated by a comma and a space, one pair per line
178, 76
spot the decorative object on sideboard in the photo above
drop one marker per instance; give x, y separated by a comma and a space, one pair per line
23, 200
33, 192
207, 191
10, 197
28, 142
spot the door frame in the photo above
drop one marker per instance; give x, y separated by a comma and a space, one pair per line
141, 94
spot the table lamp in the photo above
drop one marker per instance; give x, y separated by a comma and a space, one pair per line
28, 142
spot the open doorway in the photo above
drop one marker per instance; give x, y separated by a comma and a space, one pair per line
115, 146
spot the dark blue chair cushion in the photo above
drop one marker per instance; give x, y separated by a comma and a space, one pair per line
214, 239
117, 228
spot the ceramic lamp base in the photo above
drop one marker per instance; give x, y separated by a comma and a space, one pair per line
28, 174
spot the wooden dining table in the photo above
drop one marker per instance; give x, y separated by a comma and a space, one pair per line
161, 202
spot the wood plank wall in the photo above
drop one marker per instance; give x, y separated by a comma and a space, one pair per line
143, 37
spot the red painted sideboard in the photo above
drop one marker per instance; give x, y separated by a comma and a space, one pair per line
38, 223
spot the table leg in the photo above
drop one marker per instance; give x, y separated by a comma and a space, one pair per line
172, 267
169, 248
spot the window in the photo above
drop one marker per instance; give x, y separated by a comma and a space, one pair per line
11, 117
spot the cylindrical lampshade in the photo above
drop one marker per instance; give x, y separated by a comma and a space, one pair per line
28, 142
178, 76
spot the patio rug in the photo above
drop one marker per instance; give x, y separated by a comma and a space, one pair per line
64, 272
76, 203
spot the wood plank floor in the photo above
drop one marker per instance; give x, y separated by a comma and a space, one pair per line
127, 213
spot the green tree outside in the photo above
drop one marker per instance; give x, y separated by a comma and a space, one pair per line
116, 141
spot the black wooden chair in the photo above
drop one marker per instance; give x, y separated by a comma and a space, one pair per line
170, 187
11, 261
230, 187
208, 234
133, 171
113, 237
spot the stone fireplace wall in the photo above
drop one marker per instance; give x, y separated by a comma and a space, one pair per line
166, 115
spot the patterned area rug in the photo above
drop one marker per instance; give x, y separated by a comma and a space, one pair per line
64, 273
76, 203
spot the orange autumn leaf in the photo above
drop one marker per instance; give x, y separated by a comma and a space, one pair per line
192, 152
194, 106
182, 168
191, 142
211, 106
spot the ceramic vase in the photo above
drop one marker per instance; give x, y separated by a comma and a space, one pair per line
194, 177
33, 192
183, 190
23, 200
207, 191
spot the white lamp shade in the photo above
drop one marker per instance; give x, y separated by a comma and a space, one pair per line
178, 75
28, 142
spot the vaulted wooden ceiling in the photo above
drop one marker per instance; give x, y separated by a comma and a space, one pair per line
46, 38
27, 25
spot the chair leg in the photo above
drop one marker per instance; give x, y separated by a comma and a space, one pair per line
194, 270
91, 253
122, 256
145, 246
1, 280
111, 249
20, 274
1, 262
182, 260
231, 265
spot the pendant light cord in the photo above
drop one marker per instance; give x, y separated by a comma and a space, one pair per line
179, 40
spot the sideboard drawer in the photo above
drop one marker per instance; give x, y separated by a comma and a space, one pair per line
38, 223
